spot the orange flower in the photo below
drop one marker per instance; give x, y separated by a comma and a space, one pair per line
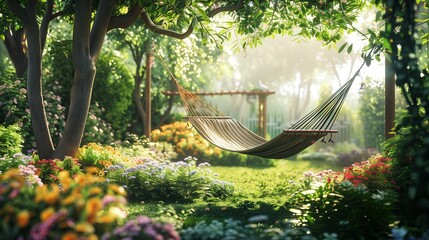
93, 205
47, 213
95, 190
70, 236
23, 218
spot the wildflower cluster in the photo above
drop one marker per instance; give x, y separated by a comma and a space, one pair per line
142, 227
72, 208
164, 180
372, 173
47, 169
29, 172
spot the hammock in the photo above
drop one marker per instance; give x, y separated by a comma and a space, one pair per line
229, 134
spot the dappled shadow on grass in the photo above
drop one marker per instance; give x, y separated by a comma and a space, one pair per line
189, 214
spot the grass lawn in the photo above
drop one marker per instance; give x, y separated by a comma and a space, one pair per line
258, 191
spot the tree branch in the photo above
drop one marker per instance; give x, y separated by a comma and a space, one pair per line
66, 9
45, 23
213, 12
126, 20
154, 28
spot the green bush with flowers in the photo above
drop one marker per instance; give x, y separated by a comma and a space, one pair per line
358, 203
170, 180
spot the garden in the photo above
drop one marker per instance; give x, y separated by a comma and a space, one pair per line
92, 148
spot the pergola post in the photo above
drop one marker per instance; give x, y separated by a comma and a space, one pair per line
147, 93
262, 115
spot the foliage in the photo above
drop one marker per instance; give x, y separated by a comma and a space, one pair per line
8, 162
187, 142
405, 36
352, 212
254, 229
113, 92
10, 140
372, 114
169, 180
78, 208
15, 109
97, 130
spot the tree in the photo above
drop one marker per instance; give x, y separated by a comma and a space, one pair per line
93, 19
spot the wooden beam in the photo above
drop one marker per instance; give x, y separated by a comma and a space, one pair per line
261, 93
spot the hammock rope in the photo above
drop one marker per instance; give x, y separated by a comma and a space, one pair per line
229, 134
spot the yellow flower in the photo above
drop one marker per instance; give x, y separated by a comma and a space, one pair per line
74, 195
70, 236
93, 205
65, 180
107, 218
47, 213
92, 237
117, 189
52, 196
84, 227
23, 218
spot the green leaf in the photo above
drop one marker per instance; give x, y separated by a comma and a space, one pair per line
342, 47
350, 48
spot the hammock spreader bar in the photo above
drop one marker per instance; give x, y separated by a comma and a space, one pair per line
229, 134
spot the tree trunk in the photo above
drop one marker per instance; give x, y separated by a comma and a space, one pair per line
14, 42
83, 80
78, 111
39, 121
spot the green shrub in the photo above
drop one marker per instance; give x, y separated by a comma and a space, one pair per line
318, 156
254, 229
352, 212
8, 162
169, 180
355, 156
10, 140
15, 110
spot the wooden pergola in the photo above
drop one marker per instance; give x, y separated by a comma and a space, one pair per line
262, 103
